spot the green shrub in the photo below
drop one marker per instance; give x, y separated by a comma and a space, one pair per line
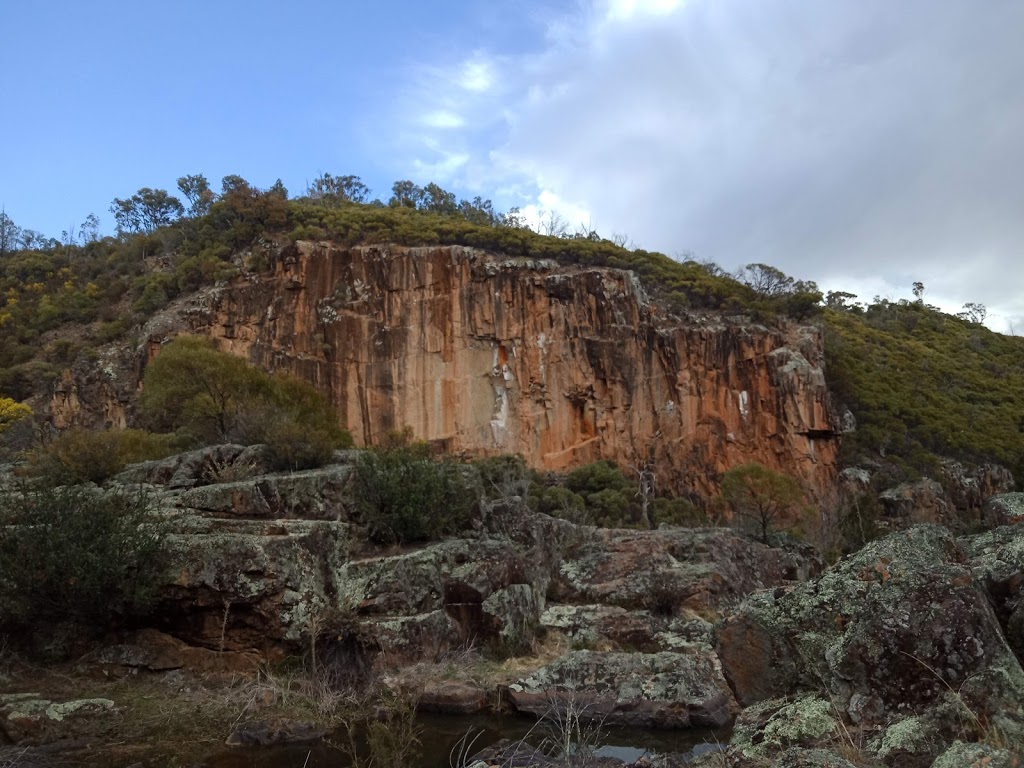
83, 456
562, 503
609, 496
678, 513
211, 397
403, 495
76, 554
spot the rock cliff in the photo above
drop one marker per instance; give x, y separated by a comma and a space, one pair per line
477, 353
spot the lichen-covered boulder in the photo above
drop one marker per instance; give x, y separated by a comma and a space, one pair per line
962, 755
28, 718
923, 501
997, 559
659, 690
645, 631
194, 468
884, 635
248, 584
1004, 509
489, 589
316, 494
770, 727
668, 569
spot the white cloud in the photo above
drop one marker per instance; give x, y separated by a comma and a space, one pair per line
442, 118
477, 75
624, 9
855, 142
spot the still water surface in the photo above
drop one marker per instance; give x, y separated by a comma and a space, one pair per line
441, 733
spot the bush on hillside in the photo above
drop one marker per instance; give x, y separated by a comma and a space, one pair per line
402, 494
213, 397
78, 555
83, 456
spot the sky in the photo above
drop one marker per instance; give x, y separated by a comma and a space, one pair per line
863, 144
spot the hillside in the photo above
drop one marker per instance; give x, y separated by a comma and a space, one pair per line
920, 384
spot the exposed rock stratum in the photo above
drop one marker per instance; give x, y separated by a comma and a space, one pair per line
562, 364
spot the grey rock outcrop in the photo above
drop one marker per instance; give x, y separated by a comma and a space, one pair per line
660, 690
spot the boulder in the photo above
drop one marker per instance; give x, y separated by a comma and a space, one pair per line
266, 733
887, 634
155, 651
30, 718
245, 584
997, 559
590, 625
667, 570
797, 732
923, 501
656, 690
316, 494
488, 588
978, 756
199, 467
1003, 509
452, 697
969, 487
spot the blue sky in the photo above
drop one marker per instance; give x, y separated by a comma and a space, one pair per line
111, 96
865, 144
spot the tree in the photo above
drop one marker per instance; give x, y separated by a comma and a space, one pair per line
335, 190
146, 210
11, 411
10, 234
192, 386
278, 190
233, 183
402, 494
437, 200
553, 224
760, 497
974, 313
513, 219
196, 190
89, 230
766, 281
838, 299
918, 290
479, 211
405, 194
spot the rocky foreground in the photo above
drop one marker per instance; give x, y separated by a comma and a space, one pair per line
906, 654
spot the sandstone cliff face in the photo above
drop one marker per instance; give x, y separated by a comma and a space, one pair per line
563, 365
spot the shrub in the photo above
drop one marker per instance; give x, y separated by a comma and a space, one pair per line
680, 513
404, 495
76, 554
211, 396
82, 456
609, 496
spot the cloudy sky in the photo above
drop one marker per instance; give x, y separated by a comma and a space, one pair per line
864, 144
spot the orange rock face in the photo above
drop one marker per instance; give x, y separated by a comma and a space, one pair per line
562, 365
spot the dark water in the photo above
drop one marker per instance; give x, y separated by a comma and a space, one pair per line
441, 733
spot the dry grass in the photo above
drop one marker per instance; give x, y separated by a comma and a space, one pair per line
176, 716
468, 665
